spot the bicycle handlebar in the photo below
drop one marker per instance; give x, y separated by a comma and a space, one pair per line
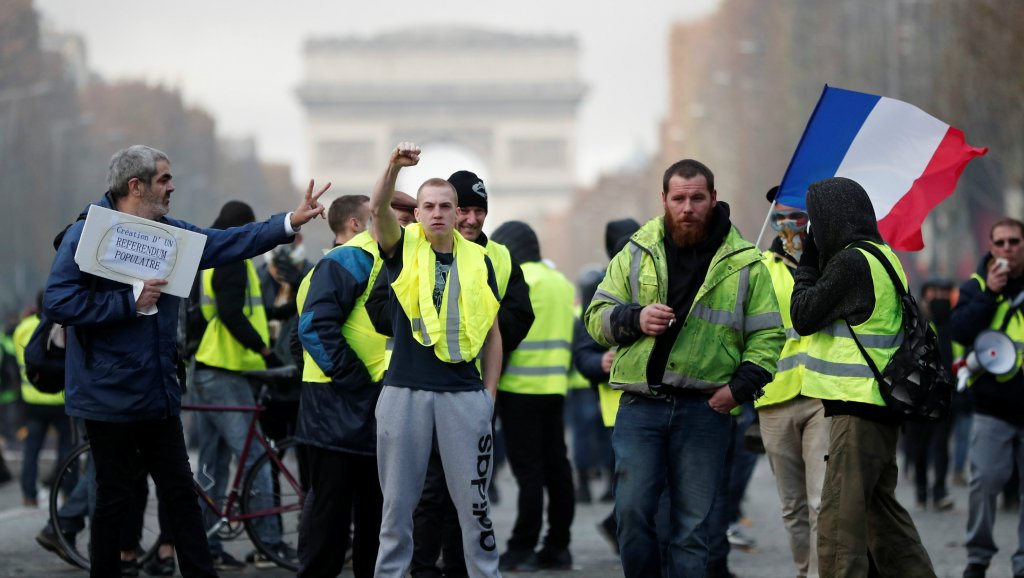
284, 376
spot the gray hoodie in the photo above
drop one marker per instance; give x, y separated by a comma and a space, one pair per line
832, 281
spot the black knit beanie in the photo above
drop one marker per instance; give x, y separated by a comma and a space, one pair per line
234, 214
520, 239
470, 189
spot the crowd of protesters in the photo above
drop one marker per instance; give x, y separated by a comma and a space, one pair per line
690, 355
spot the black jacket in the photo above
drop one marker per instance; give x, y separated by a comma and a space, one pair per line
973, 313
338, 415
829, 284
587, 355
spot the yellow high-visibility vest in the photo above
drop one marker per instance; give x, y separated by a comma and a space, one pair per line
218, 347
468, 306
835, 368
358, 329
540, 365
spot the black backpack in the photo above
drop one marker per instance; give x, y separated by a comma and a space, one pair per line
915, 383
44, 356
46, 347
191, 322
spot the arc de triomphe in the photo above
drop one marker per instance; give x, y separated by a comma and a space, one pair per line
509, 99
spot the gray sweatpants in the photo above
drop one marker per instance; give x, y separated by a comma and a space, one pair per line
407, 419
993, 445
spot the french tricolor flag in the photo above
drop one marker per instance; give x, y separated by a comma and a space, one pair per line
907, 160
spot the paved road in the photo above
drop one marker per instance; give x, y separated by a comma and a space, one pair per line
942, 533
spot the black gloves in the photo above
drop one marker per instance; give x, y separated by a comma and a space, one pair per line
810, 256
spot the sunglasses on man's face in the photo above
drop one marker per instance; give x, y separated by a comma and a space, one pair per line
1012, 241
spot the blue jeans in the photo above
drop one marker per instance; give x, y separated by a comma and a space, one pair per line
591, 444
221, 435
676, 439
38, 419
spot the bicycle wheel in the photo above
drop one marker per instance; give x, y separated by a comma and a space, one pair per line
71, 514
284, 503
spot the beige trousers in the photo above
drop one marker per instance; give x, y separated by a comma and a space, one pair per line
795, 435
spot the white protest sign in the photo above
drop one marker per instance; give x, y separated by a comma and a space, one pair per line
130, 249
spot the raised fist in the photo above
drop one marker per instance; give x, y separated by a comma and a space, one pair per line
406, 154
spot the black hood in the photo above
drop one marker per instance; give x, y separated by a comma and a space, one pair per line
520, 239
617, 234
841, 213
718, 229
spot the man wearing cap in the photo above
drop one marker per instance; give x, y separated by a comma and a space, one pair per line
444, 304
515, 319
793, 426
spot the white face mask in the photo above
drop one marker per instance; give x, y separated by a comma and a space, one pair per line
298, 254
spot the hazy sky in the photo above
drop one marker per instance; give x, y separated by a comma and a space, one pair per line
242, 60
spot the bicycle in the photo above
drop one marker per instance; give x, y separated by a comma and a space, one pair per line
236, 514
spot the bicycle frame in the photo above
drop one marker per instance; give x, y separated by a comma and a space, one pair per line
225, 515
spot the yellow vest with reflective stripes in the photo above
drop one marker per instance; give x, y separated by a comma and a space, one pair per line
734, 316
218, 347
358, 329
540, 365
501, 261
1014, 330
835, 368
29, 393
468, 306
789, 370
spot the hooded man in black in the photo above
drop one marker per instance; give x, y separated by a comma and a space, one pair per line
832, 288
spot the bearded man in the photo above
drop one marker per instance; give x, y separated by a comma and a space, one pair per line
691, 308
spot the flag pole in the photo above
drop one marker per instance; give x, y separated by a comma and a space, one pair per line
764, 227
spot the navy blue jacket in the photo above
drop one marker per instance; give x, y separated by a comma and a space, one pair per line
973, 313
130, 372
338, 415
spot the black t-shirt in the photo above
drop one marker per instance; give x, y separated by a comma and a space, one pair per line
414, 365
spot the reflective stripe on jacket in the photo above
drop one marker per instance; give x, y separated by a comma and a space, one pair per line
218, 347
789, 370
468, 307
734, 316
1014, 330
835, 368
541, 363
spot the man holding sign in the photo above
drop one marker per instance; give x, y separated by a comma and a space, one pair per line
122, 360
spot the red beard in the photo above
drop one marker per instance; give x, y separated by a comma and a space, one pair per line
688, 235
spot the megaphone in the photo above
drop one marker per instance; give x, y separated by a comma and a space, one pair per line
994, 352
